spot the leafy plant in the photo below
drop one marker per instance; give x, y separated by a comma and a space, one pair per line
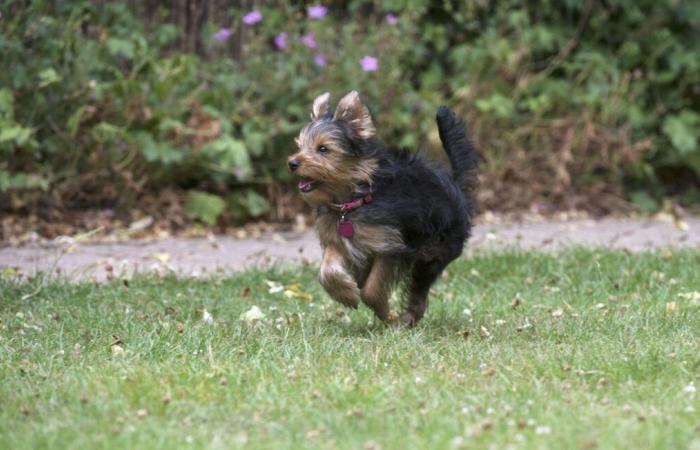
204, 206
578, 105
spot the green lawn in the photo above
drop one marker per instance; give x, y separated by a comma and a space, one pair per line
603, 351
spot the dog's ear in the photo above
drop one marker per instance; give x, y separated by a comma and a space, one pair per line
351, 110
321, 106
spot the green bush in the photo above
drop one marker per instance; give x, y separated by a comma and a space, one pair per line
568, 101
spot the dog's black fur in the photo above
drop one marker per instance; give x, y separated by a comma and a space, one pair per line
431, 206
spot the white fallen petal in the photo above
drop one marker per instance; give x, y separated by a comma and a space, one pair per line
274, 287
253, 315
207, 317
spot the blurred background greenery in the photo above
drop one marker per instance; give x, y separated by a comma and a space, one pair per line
186, 110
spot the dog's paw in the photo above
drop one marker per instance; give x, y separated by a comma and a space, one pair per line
348, 300
403, 320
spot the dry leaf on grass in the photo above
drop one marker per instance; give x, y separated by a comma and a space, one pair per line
515, 304
253, 315
274, 287
163, 257
116, 346
294, 291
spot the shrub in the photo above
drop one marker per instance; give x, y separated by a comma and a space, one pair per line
571, 103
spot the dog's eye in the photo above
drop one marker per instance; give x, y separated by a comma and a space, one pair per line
322, 149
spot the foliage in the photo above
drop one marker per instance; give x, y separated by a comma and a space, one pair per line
601, 350
569, 102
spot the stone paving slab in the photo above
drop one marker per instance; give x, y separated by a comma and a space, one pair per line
196, 257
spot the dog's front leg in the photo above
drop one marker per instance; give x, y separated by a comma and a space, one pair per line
336, 279
377, 288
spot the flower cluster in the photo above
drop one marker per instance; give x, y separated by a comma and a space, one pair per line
368, 63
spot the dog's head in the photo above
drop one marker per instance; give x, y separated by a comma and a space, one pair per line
332, 156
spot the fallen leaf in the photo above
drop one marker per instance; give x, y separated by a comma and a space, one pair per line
278, 238
371, 445
117, 350
693, 297
311, 434
484, 332
253, 315
116, 346
681, 224
141, 224
663, 217
294, 291
525, 326
274, 287
671, 307
557, 312
515, 304
163, 257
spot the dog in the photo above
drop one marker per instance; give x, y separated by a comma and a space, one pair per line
384, 217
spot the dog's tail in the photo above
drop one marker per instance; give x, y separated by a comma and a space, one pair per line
463, 156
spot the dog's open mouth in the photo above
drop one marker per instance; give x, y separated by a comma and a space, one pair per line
307, 185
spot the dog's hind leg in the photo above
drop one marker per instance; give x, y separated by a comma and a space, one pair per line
376, 289
423, 275
336, 279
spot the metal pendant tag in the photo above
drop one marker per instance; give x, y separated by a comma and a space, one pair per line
345, 228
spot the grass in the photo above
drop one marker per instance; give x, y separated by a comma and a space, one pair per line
603, 351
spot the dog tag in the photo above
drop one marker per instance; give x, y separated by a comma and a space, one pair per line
345, 228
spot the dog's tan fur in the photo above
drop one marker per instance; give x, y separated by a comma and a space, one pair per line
350, 272
349, 264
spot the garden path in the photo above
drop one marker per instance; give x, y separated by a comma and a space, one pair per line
196, 257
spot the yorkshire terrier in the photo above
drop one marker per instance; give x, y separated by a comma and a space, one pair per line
384, 217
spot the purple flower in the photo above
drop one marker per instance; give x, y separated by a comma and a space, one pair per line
320, 60
316, 12
222, 34
281, 41
369, 63
391, 19
252, 17
309, 40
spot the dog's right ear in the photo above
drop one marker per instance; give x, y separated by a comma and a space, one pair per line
321, 106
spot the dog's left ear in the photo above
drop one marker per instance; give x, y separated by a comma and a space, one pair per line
321, 106
351, 110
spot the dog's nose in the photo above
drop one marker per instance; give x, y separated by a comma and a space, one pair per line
294, 164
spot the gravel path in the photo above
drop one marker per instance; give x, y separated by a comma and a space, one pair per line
196, 257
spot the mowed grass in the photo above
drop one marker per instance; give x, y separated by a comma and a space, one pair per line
602, 351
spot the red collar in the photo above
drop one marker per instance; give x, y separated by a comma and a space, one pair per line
352, 204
